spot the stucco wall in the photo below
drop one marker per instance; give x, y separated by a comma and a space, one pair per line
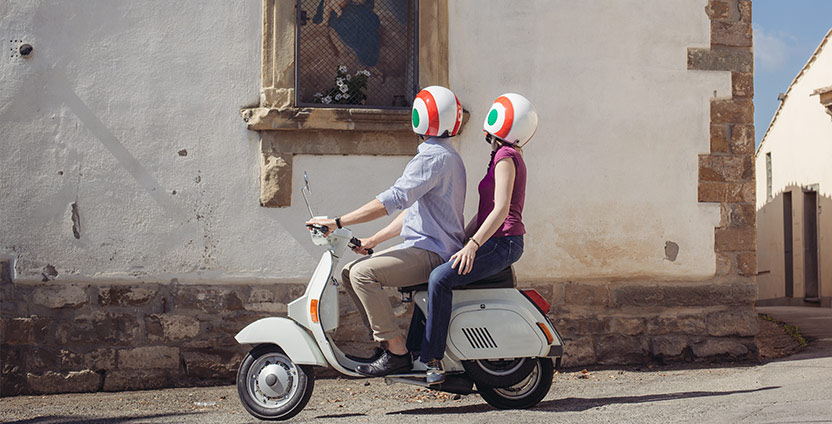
800, 147
613, 166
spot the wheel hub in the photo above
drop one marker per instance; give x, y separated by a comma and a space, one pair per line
274, 381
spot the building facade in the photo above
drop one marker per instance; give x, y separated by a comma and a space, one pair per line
793, 191
153, 160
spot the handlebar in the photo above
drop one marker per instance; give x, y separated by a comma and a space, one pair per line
354, 242
323, 229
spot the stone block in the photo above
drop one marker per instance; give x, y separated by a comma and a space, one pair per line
145, 379
738, 215
725, 168
742, 84
734, 59
618, 349
60, 296
734, 322
673, 294
626, 326
747, 264
745, 9
126, 295
71, 382
586, 294
714, 348
572, 327
171, 327
98, 328
149, 357
720, 142
96, 360
677, 324
276, 180
723, 10
724, 263
670, 346
5, 272
742, 139
260, 295
731, 34
726, 192
213, 364
205, 299
24, 331
578, 352
733, 111
735, 239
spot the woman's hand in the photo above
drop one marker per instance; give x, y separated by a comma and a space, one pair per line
366, 244
326, 222
464, 258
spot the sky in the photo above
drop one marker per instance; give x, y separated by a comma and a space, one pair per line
786, 33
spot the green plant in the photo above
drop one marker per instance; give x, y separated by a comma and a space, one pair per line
792, 331
348, 89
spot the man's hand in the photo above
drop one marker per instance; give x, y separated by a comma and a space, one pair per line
463, 260
325, 222
366, 244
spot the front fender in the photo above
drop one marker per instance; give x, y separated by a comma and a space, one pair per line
291, 337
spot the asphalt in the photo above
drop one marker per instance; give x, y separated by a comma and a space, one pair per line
795, 389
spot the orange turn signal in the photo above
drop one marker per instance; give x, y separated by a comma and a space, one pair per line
313, 310
546, 332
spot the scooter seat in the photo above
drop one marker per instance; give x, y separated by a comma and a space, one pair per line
501, 280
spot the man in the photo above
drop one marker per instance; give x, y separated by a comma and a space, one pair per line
431, 191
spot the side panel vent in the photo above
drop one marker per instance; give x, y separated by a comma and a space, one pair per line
479, 338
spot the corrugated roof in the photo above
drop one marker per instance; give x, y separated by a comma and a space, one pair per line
786, 96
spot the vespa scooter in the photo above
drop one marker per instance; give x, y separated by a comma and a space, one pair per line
499, 339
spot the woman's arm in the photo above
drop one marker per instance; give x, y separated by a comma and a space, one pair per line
504, 173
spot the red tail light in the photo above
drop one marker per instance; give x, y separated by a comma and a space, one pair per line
537, 299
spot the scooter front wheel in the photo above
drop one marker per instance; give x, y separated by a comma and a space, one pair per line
271, 386
524, 394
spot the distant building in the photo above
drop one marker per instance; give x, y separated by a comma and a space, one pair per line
794, 191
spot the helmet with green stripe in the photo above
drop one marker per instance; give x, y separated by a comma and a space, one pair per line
512, 119
436, 112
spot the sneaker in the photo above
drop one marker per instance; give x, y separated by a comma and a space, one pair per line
435, 373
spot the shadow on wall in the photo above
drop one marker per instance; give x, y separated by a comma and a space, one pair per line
794, 237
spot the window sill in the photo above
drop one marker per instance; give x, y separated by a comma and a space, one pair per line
332, 119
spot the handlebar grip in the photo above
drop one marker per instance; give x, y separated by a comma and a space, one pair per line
357, 243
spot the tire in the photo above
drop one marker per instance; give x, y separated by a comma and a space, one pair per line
499, 373
281, 401
524, 394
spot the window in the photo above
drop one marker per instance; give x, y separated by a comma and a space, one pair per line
356, 53
768, 176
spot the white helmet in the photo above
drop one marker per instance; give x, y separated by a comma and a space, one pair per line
512, 119
436, 112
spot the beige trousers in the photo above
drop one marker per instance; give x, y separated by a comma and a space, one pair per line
365, 278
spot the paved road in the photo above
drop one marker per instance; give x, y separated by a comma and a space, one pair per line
795, 389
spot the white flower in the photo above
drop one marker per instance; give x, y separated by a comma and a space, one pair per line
348, 77
344, 88
339, 82
319, 94
343, 69
366, 72
326, 100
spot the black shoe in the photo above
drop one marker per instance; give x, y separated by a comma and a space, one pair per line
387, 364
376, 354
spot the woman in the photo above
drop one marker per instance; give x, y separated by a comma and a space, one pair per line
494, 236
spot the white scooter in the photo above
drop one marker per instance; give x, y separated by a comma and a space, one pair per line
499, 338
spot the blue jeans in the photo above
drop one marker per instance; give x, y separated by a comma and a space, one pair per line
430, 334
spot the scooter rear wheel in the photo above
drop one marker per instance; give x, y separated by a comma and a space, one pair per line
524, 394
499, 373
271, 386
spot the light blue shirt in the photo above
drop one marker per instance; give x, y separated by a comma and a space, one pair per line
432, 189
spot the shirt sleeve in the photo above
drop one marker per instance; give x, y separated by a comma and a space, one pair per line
420, 175
506, 152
